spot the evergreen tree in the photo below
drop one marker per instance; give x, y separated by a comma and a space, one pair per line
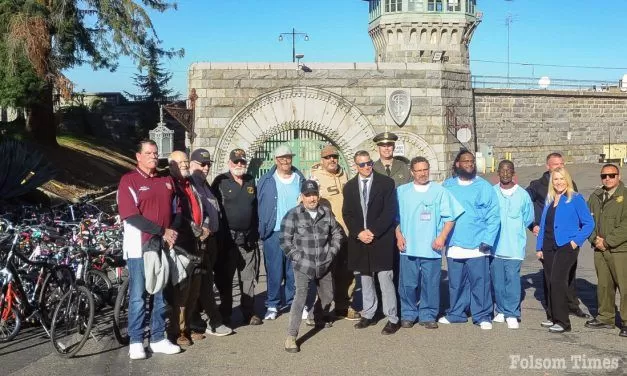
41, 38
153, 85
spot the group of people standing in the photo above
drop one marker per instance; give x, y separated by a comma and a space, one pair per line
182, 236
334, 246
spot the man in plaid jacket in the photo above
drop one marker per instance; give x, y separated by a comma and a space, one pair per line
310, 237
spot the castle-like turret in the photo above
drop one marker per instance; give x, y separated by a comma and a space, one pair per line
422, 30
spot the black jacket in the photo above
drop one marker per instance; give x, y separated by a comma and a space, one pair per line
382, 209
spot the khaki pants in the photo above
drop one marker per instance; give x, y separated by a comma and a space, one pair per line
611, 268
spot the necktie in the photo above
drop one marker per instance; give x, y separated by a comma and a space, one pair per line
364, 193
606, 196
387, 170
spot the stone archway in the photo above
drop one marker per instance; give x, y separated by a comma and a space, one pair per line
314, 109
416, 146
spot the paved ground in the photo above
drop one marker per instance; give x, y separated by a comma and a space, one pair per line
460, 349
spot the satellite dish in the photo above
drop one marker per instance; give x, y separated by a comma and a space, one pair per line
544, 82
463, 134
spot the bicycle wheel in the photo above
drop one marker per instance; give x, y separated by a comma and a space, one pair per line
72, 321
56, 284
100, 285
120, 315
10, 324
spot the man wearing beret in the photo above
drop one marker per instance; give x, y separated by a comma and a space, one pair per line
387, 164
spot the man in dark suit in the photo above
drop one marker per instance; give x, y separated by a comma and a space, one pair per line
369, 211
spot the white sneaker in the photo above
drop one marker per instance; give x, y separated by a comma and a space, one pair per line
164, 347
512, 323
485, 325
136, 351
305, 313
271, 314
219, 331
500, 318
444, 320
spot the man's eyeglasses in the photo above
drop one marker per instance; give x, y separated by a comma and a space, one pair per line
333, 156
364, 164
240, 162
203, 164
605, 176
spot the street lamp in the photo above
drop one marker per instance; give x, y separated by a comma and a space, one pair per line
294, 34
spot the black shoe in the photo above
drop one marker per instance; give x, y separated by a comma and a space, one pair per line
579, 313
596, 324
623, 331
364, 323
407, 324
390, 328
429, 324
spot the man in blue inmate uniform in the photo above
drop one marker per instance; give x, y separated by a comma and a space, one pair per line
509, 252
470, 244
427, 214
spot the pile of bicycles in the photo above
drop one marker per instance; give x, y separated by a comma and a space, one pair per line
59, 274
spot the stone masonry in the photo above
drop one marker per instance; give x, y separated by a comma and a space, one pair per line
533, 123
243, 104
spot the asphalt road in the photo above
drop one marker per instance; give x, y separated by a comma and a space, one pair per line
461, 349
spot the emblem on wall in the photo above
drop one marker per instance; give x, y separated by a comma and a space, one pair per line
399, 104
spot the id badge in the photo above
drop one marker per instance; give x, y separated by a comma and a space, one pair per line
425, 216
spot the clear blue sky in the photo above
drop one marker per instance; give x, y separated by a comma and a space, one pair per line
552, 32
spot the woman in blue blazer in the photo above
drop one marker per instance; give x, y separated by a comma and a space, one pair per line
566, 223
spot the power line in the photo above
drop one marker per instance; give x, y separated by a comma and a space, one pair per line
550, 65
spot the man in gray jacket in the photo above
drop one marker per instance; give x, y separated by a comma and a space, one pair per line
310, 236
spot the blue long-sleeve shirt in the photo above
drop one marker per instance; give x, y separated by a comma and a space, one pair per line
573, 221
516, 214
481, 219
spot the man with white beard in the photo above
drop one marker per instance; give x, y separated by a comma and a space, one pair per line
239, 236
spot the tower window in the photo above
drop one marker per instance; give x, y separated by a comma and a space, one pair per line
393, 5
435, 6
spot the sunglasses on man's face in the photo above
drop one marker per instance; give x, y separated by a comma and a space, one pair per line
333, 156
364, 164
605, 176
240, 162
204, 164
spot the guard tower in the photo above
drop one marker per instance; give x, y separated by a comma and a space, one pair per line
414, 31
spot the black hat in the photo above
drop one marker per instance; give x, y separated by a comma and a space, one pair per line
309, 186
238, 155
201, 156
385, 138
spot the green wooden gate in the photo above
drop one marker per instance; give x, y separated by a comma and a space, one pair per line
305, 144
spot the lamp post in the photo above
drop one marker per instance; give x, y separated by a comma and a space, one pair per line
294, 34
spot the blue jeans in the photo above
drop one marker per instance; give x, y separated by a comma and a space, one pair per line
506, 283
419, 278
137, 305
278, 268
469, 286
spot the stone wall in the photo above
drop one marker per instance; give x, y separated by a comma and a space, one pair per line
243, 103
533, 123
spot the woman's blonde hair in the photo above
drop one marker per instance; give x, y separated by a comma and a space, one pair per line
550, 197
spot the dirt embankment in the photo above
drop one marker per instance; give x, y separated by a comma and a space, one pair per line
86, 166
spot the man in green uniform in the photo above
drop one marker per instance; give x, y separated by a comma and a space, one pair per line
387, 164
609, 240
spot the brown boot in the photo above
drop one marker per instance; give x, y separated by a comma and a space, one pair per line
197, 336
183, 340
290, 345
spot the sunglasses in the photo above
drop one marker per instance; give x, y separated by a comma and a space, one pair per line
333, 156
364, 164
605, 176
240, 162
203, 164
